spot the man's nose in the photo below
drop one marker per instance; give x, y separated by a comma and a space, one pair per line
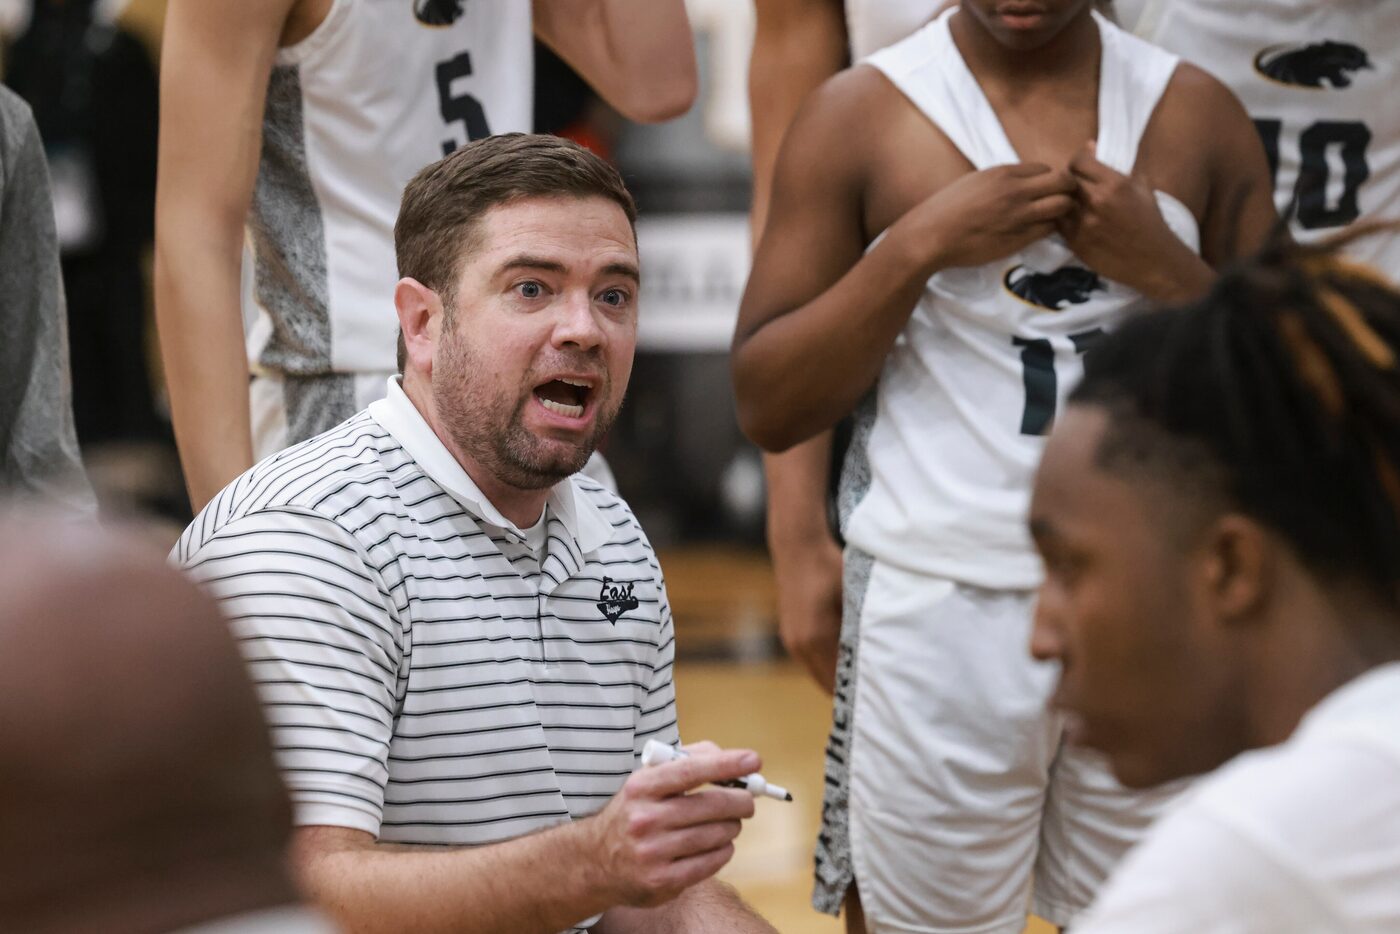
577, 325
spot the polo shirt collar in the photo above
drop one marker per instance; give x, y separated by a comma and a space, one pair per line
397, 415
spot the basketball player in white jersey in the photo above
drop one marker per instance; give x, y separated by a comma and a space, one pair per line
304, 119
952, 225
1318, 77
797, 45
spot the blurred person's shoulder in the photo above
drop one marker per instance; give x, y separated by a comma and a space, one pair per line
1316, 817
16, 127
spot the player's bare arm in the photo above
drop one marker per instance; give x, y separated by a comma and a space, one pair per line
216, 59
640, 57
797, 45
820, 314
648, 845
1239, 214
1222, 176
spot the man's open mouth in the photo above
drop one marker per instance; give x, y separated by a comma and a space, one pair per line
567, 396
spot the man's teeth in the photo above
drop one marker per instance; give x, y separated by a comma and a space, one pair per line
561, 408
573, 382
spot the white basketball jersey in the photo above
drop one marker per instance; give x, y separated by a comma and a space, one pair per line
1321, 79
971, 386
379, 90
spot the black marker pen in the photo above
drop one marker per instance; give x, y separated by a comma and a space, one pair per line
655, 753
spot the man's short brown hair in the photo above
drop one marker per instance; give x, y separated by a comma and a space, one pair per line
445, 202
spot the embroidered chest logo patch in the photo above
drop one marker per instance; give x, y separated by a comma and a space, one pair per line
1069, 285
616, 598
1316, 65
438, 12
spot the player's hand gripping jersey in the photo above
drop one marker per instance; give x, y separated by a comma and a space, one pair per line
973, 383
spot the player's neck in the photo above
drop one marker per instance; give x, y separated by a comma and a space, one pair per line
1073, 52
1318, 642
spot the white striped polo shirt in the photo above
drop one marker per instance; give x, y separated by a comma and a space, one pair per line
427, 678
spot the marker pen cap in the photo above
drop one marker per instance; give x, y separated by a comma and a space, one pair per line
655, 753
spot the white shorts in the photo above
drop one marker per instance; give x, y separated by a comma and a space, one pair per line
286, 410
962, 795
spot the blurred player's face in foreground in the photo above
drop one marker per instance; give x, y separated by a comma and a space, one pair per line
1024, 24
531, 371
1126, 609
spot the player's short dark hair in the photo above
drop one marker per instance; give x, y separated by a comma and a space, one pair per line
444, 203
1278, 395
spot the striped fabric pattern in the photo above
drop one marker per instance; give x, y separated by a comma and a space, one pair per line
426, 676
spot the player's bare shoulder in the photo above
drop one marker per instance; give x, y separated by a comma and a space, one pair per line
842, 122
880, 141
1201, 119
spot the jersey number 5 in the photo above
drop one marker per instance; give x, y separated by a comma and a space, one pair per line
1310, 196
1042, 384
460, 107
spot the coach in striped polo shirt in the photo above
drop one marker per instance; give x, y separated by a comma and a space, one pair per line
460, 641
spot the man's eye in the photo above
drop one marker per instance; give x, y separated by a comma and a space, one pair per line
530, 289
614, 297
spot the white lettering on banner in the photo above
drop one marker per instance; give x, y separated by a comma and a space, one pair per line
694, 267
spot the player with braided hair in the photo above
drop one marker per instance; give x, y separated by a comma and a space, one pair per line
1219, 514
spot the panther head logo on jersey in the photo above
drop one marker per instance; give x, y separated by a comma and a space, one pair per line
1310, 65
438, 12
1072, 285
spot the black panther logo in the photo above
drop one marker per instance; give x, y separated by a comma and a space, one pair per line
615, 599
1310, 65
1053, 290
438, 12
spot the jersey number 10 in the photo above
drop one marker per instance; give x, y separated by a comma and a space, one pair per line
1310, 194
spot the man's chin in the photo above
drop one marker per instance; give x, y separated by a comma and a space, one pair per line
543, 469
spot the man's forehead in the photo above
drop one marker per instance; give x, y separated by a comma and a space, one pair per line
574, 226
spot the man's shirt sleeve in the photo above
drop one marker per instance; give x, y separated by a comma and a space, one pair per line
320, 635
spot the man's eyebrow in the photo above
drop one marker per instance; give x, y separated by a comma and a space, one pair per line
548, 265
622, 269
526, 261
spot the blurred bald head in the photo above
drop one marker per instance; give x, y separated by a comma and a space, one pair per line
137, 787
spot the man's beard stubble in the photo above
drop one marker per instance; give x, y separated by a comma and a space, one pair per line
492, 430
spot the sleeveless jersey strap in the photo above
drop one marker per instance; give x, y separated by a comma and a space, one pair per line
929, 70
1133, 77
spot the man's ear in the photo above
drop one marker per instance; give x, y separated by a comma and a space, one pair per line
1241, 559
420, 322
